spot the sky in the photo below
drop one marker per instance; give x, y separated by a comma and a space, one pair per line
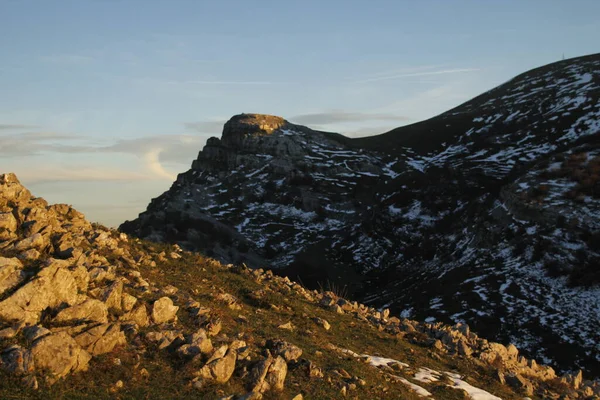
103, 102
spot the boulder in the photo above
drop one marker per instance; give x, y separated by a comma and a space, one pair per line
112, 296
101, 339
16, 360
53, 286
11, 273
59, 354
138, 315
219, 369
163, 310
91, 310
268, 374
288, 351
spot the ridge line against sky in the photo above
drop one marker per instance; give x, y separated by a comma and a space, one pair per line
105, 102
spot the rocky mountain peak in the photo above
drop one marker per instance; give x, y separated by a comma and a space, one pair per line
242, 126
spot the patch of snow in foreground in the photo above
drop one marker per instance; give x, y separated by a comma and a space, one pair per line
473, 392
416, 388
425, 375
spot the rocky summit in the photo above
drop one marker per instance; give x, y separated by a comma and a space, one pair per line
90, 312
486, 214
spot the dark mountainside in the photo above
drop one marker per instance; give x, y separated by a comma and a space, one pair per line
486, 214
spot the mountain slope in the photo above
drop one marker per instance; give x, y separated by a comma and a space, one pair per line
485, 214
87, 312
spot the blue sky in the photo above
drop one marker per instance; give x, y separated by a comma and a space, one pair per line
102, 103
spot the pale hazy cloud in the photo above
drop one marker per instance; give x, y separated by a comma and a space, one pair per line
11, 127
336, 117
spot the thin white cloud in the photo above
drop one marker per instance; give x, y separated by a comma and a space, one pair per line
152, 159
416, 74
50, 174
10, 127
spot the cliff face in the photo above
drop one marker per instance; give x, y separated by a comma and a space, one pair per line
486, 214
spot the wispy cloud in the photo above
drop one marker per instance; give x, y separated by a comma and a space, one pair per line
153, 162
416, 74
335, 117
10, 127
80, 173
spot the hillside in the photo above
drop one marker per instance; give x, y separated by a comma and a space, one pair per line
484, 215
88, 312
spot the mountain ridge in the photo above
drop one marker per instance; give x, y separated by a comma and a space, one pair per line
490, 221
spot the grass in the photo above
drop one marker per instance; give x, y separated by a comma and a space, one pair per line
203, 278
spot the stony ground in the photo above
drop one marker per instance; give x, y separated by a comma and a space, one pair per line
87, 312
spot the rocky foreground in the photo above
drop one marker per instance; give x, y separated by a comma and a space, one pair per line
87, 312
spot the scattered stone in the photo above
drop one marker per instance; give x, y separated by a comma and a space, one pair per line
322, 323
163, 310
288, 351
287, 326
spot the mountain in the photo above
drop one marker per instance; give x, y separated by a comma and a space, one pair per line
88, 312
486, 214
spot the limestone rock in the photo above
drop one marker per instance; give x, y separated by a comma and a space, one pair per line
288, 351
163, 310
127, 302
219, 369
54, 285
268, 374
16, 360
322, 323
139, 316
91, 310
112, 297
101, 339
11, 273
59, 354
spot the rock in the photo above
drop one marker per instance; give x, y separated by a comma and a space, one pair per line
287, 326
219, 369
112, 296
200, 340
163, 310
16, 360
276, 375
29, 255
322, 323
35, 241
463, 349
128, 302
53, 286
288, 351
577, 380
520, 384
8, 225
11, 273
268, 374
33, 333
139, 316
91, 310
59, 354
101, 339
